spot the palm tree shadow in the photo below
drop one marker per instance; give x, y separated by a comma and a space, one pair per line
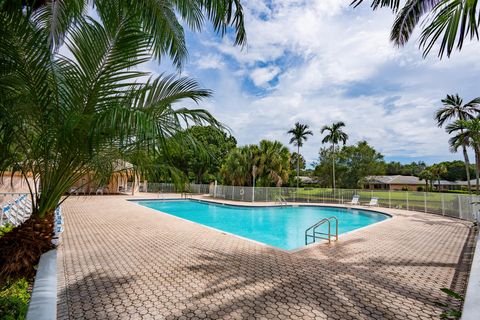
82, 298
243, 284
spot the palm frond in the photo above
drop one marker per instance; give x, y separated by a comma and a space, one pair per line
452, 22
56, 17
408, 18
393, 4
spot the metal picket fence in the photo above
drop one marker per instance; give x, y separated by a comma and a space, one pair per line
460, 206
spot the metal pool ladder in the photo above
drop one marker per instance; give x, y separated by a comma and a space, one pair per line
321, 235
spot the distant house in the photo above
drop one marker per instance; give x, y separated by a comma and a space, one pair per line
307, 180
396, 182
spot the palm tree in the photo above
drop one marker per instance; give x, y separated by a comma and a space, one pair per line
454, 109
239, 168
427, 175
299, 134
335, 135
273, 163
447, 23
437, 171
468, 133
63, 117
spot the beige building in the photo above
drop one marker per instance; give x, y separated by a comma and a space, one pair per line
397, 182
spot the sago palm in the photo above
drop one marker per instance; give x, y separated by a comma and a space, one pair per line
66, 116
335, 136
299, 134
467, 132
446, 23
454, 109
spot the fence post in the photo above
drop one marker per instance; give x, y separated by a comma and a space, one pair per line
443, 204
408, 207
389, 199
233, 192
459, 207
425, 201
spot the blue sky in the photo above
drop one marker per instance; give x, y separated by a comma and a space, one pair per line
320, 61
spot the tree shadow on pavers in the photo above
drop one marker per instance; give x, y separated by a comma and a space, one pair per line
97, 296
247, 284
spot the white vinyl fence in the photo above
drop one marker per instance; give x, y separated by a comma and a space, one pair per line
460, 206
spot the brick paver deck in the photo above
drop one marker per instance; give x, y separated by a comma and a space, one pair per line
119, 260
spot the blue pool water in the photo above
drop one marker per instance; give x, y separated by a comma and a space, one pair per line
282, 227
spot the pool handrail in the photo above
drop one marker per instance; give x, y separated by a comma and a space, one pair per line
318, 235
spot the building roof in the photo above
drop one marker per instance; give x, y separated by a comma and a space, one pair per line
397, 179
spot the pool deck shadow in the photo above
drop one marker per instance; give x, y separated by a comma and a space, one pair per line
119, 261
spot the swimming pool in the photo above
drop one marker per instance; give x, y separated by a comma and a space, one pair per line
282, 227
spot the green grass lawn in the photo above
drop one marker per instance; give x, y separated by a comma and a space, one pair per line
433, 202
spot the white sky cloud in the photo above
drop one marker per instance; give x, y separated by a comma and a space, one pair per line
320, 61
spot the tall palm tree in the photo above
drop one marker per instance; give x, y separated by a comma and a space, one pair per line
65, 116
454, 109
335, 135
299, 134
447, 22
468, 132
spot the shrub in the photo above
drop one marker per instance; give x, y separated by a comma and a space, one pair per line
4, 229
14, 299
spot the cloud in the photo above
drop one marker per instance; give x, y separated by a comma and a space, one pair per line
262, 76
322, 61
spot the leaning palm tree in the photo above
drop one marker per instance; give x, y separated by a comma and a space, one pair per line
66, 116
454, 109
468, 132
299, 134
335, 135
447, 23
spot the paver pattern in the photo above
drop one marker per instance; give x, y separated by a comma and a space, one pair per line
119, 260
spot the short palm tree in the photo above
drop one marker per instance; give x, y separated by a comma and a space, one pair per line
448, 23
273, 163
65, 116
454, 109
428, 176
335, 136
299, 134
468, 132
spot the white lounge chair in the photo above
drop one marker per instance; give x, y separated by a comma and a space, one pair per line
373, 202
355, 200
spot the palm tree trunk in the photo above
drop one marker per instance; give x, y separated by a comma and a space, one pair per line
21, 248
333, 166
298, 163
477, 169
467, 167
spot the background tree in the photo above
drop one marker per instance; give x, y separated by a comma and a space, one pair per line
299, 134
437, 171
448, 23
334, 135
202, 164
273, 164
410, 169
454, 109
296, 157
428, 176
354, 164
238, 165
358, 161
